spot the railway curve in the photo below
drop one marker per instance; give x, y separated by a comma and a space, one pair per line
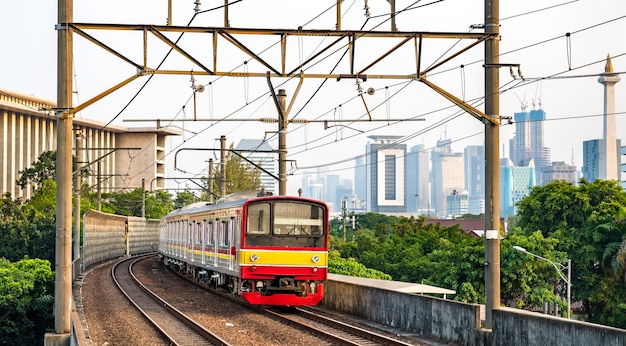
178, 328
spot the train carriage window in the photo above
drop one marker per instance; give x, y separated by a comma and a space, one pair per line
197, 233
192, 233
258, 219
183, 232
220, 232
179, 232
188, 234
208, 233
225, 239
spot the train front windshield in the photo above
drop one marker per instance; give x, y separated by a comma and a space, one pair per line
285, 223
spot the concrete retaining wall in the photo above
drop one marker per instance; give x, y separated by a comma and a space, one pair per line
431, 317
520, 327
459, 323
104, 237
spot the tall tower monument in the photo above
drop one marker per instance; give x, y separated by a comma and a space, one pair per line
608, 156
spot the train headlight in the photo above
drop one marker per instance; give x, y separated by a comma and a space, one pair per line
315, 259
254, 257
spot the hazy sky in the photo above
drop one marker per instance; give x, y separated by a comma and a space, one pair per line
560, 72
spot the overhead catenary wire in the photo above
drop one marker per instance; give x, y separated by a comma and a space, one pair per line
303, 107
502, 90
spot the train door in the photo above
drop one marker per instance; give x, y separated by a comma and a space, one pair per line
192, 240
223, 242
185, 225
203, 241
179, 239
210, 242
168, 239
216, 243
230, 244
197, 247
171, 245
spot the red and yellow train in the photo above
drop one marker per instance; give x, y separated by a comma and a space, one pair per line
271, 250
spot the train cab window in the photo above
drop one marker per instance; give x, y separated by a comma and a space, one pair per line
298, 219
258, 219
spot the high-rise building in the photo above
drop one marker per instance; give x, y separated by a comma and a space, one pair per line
516, 182
418, 190
330, 195
539, 153
313, 186
559, 171
261, 153
457, 204
474, 157
528, 140
519, 145
337, 189
360, 181
623, 165
609, 158
386, 174
593, 158
447, 175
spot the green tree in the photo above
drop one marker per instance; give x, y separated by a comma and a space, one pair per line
29, 229
350, 267
615, 253
158, 203
26, 301
525, 280
410, 250
42, 169
240, 176
184, 198
573, 215
12, 229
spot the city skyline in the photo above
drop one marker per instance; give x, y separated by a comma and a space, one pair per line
528, 165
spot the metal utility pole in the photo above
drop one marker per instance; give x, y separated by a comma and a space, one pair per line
63, 242
77, 183
282, 143
343, 217
492, 155
98, 188
223, 166
143, 197
210, 182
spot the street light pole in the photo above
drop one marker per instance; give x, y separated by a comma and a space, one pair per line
455, 193
417, 205
559, 269
569, 286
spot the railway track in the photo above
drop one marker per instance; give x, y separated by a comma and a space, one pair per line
171, 323
334, 331
338, 332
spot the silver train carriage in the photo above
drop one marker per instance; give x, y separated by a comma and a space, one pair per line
270, 250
